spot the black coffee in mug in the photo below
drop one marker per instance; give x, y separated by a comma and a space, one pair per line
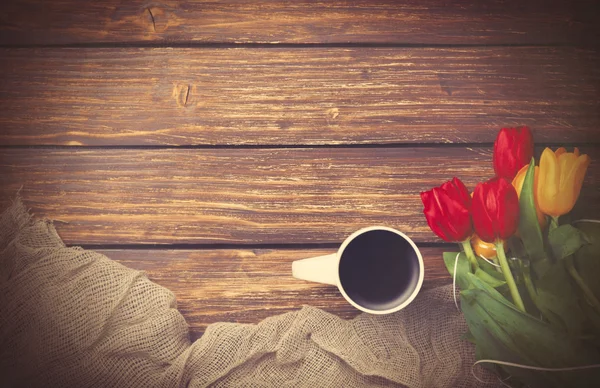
379, 270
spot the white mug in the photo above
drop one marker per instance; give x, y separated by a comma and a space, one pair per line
378, 270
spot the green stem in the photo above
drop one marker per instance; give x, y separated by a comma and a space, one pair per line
470, 255
589, 294
510, 280
553, 223
495, 261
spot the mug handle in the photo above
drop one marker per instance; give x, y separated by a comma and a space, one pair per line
320, 269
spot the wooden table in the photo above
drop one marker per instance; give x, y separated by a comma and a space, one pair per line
211, 143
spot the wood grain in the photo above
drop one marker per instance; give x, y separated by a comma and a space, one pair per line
277, 21
246, 286
249, 196
295, 96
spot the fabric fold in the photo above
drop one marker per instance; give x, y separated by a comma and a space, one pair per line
71, 317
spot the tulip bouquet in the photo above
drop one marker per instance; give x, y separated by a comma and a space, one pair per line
529, 281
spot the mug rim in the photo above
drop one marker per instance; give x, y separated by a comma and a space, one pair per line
415, 291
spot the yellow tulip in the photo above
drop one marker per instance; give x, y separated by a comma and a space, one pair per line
561, 177
518, 185
482, 248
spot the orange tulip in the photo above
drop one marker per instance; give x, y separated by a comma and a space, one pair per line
518, 184
561, 177
482, 248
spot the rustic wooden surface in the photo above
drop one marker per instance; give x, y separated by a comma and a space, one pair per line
233, 196
306, 21
243, 285
273, 96
211, 143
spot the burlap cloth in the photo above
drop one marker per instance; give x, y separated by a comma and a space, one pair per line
73, 318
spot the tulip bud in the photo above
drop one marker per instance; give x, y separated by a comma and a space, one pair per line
561, 178
482, 248
447, 210
512, 150
495, 210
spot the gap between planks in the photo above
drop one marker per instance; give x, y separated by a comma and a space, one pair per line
280, 196
248, 285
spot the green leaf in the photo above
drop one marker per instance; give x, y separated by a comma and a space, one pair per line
502, 332
516, 247
540, 267
594, 323
587, 263
488, 278
529, 228
490, 269
587, 258
566, 240
462, 268
557, 299
497, 275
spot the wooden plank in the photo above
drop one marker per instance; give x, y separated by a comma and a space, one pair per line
247, 286
251, 196
307, 96
279, 21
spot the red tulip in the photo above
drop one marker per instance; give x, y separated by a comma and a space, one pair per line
447, 209
512, 150
495, 210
